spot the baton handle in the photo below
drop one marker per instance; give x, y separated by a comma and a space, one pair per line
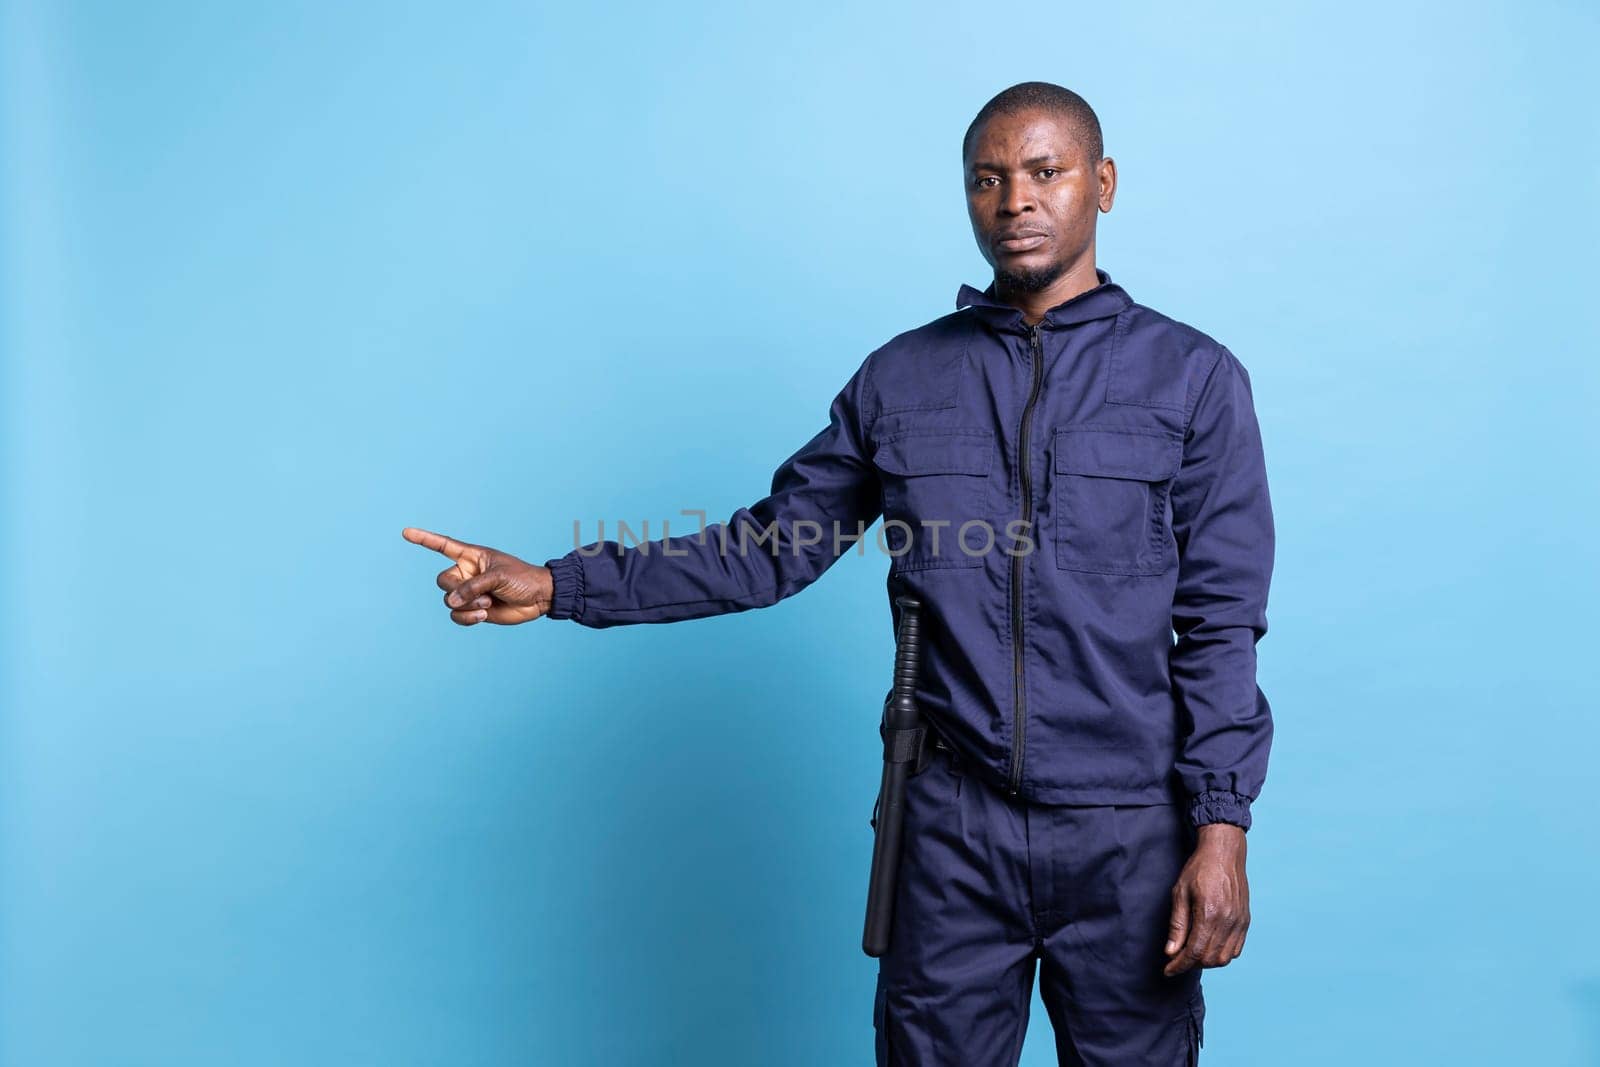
899, 713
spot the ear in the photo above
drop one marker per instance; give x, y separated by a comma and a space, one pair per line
1107, 173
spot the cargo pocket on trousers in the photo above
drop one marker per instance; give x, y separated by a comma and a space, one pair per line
1197, 1026
1111, 489
880, 1023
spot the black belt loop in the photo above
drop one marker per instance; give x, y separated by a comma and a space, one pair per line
952, 758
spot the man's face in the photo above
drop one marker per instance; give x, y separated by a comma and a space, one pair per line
1033, 196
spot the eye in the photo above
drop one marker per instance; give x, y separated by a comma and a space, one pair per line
986, 178
1049, 170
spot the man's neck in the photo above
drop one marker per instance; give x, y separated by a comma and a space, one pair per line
1079, 279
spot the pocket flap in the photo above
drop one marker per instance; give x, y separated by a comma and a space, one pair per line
1105, 453
936, 452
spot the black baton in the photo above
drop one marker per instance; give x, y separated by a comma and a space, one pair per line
903, 730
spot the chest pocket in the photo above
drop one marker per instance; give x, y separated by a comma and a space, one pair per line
934, 480
1111, 499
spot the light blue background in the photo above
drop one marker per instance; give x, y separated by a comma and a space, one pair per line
277, 284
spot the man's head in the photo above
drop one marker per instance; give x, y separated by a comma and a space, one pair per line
1035, 181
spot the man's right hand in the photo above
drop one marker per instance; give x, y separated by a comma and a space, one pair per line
484, 585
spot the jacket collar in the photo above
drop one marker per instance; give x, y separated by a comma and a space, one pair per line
1103, 301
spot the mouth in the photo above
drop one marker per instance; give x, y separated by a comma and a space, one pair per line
1025, 241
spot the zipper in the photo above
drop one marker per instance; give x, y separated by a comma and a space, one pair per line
1025, 466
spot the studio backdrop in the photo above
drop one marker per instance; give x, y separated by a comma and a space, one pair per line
280, 280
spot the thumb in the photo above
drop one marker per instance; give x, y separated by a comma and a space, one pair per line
473, 588
1178, 927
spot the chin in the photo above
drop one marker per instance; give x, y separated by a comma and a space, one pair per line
1019, 276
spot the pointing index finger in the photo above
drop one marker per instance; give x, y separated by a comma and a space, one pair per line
438, 542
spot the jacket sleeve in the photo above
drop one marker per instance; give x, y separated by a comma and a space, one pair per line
823, 498
1222, 519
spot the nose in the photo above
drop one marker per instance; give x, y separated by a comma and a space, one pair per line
1018, 198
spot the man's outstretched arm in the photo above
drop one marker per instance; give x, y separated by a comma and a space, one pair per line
763, 553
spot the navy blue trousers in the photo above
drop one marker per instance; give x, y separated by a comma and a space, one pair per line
992, 890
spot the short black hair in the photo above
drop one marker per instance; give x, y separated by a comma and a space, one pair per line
1063, 103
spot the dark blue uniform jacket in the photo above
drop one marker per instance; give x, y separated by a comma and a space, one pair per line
1082, 508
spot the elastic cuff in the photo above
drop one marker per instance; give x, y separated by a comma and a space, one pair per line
1219, 805
567, 573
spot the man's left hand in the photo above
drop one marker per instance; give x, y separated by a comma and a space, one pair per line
1210, 902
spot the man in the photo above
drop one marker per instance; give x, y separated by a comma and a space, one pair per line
1073, 485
